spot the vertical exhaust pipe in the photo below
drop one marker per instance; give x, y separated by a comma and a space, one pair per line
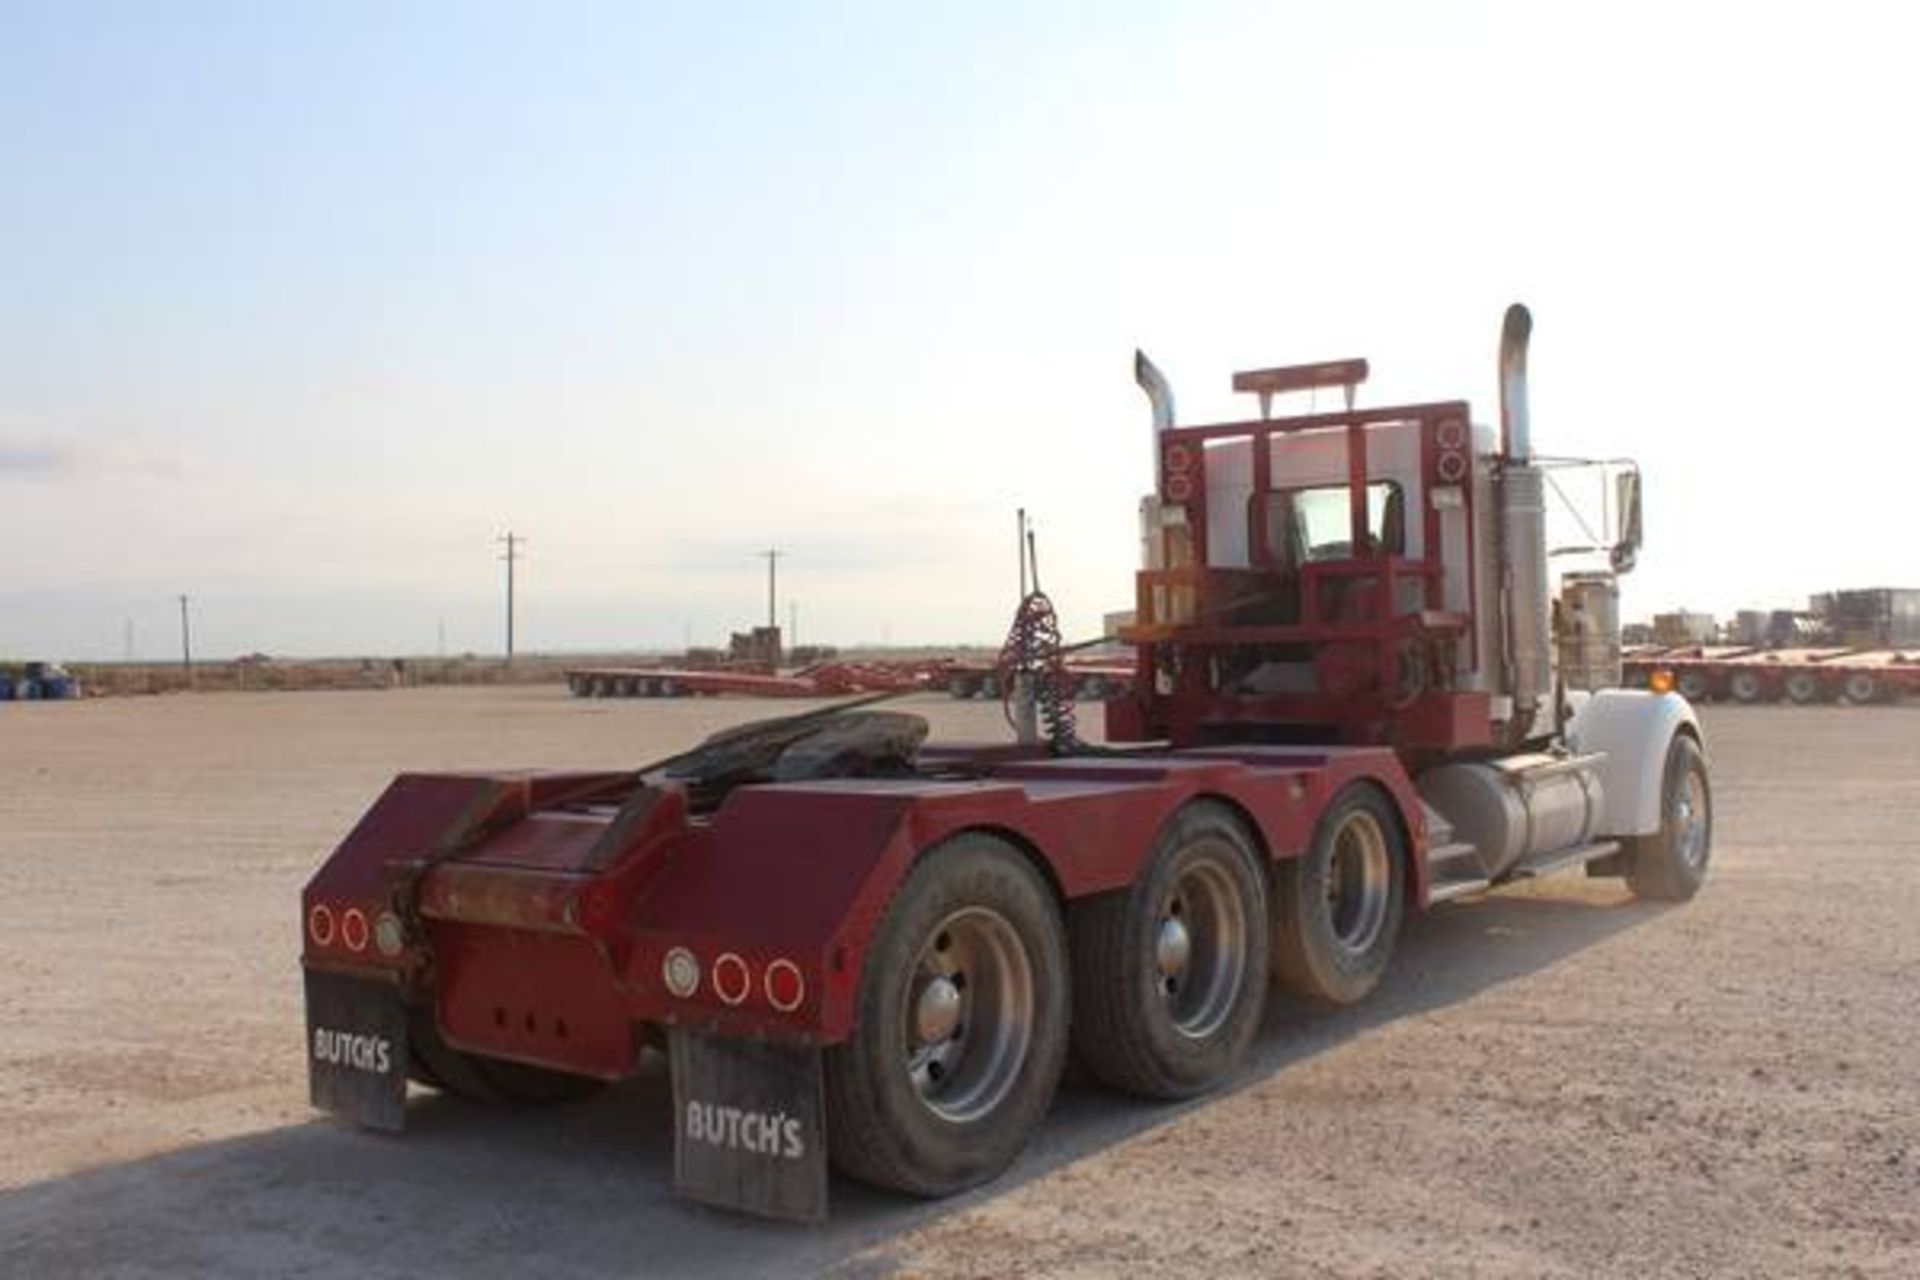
1159, 395
1516, 425
1153, 550
1523, 540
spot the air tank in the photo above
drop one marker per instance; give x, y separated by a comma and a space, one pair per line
1590, 631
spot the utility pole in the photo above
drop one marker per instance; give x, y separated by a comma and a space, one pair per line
773, 613
512, 557
793, 624
186, 641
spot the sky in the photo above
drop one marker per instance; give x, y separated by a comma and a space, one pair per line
302, 306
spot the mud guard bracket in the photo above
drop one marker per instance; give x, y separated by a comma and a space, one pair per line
749, 1129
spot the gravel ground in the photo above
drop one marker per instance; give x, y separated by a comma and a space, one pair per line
1554, 1080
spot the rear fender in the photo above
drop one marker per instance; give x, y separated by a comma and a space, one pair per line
418, 817
795, 873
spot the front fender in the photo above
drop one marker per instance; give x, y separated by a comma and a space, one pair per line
1633, 729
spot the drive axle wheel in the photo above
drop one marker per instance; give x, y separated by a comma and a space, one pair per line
1670, 864
962, 1031
1170, 975
1337, 906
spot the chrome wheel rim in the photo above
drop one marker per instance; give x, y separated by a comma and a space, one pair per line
1691, 819
968, 1014
1359, 880
1200, 948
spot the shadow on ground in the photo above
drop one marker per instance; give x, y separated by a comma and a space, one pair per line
584, 1190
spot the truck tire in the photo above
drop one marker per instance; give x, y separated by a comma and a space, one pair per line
1337, 907
962, 1026
1804, 688
1670, 864
1747, 686
1693, 686
436, 1064
1860, 688
1170, 975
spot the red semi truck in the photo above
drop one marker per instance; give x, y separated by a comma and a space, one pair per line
860, 950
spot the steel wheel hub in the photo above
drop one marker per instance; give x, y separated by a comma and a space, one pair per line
969, 1012
1690, 820
1359, 880
1200, 948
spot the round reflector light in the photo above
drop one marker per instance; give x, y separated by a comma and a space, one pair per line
786, 988
320, 924
681, 971
353, 929
732, 980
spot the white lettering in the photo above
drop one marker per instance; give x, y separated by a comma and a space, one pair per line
795, 1148
344, 1049
766, 1133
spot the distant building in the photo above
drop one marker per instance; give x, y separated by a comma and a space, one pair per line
1683, 627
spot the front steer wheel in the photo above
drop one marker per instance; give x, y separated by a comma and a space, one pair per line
963, 1030
1670, 864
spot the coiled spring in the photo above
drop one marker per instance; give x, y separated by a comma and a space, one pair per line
1034, 650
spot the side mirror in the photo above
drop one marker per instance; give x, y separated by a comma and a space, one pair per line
1627, 502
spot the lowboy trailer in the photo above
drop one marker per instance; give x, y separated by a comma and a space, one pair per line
1736, 673
859, 950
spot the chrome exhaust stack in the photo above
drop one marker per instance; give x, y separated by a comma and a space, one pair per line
1516, 424
1159, 395
1528, 639
1152, 515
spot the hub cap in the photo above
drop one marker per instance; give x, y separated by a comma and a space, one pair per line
969, 1014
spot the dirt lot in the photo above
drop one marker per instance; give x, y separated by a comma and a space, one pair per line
1553, 1081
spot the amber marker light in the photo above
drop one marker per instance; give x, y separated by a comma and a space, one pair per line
1661, 681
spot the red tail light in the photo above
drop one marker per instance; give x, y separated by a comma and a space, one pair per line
786, 986
320, 924
353, 929
732, 980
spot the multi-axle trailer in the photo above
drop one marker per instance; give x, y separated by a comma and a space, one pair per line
861, 950
1744, 673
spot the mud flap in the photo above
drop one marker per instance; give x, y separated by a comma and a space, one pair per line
357, 1049
749, 1128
